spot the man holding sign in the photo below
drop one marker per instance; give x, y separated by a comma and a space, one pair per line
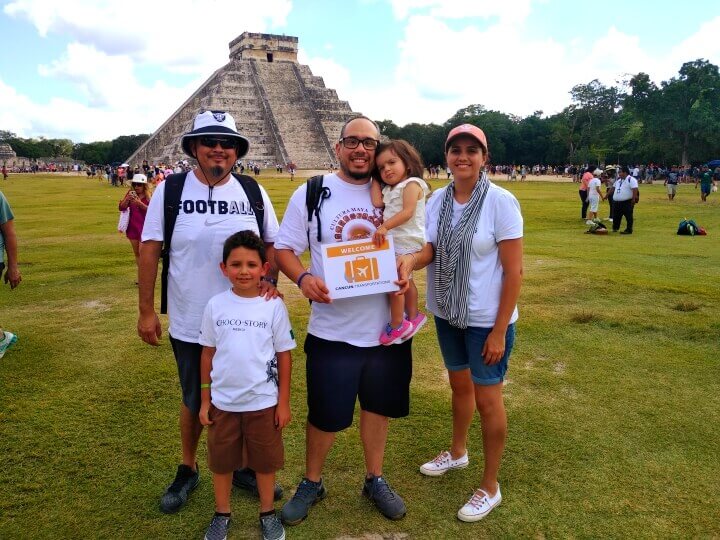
344, 358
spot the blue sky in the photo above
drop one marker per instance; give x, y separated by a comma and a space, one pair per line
96, 69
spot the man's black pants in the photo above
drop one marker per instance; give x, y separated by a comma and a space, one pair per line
620, 209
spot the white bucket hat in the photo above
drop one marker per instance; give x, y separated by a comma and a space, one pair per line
218, 123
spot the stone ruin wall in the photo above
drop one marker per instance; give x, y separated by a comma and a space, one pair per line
285, 111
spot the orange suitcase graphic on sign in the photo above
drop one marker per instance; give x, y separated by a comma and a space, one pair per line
361, 269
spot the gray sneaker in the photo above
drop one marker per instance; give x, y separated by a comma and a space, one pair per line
384, 497
307, 494
271, 527
218, 528
176, 495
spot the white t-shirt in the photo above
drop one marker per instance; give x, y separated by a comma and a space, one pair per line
593, 186
196, 251
348, 214
499, 220
623, 188
246, 332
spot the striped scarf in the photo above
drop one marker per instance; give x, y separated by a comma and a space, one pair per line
454, 249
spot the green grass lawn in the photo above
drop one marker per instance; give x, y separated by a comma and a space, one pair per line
613, 392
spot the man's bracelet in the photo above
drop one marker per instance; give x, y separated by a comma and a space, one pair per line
205, 385
302, 276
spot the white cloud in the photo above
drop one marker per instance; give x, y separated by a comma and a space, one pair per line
184, 35
506, 10
334, 75
110, 40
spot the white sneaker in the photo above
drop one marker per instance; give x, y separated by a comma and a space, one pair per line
479, 505
443, 463
7, 339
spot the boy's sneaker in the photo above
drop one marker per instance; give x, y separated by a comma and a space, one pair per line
218, 529
443, 463
307, 494
384, 497
7, 341
272, 528
479, 505
245, 479
391, 335
418, 322
176, 495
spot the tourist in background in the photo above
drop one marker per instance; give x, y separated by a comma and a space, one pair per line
136, 201
625, 194
583, 192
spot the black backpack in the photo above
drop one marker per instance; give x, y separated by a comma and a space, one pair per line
173, 190
314, 197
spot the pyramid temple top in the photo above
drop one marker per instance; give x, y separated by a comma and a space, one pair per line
264, 47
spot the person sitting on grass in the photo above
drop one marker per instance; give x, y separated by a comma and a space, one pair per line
245, 369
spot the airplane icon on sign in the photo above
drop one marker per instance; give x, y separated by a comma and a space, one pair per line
362, 271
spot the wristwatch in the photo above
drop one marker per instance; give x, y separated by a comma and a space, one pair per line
270, 280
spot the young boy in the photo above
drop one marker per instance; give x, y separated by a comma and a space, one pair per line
245, 382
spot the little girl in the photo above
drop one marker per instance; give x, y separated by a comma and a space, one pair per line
398, 187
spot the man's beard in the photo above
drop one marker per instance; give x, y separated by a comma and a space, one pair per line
217, 172
354, 175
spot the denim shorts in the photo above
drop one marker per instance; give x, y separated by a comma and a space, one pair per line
462, 349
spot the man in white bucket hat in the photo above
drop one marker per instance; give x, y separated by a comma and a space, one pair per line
212, 206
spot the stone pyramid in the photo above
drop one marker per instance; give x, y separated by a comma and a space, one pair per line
285, 111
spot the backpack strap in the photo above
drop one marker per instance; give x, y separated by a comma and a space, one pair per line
314, 197
252, 191
173, 190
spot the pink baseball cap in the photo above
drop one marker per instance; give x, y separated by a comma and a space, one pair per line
467, 129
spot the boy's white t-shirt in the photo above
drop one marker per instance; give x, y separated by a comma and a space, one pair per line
196, 250
246, 332
347, 214
500, 219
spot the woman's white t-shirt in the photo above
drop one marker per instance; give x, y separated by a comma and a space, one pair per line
196, 249
246, 332
499, 220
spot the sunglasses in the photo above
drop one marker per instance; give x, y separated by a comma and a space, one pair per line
212, 142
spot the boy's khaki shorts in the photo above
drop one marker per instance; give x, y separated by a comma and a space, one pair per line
244, 439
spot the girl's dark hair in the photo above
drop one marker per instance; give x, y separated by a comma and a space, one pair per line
246, 239
406, 152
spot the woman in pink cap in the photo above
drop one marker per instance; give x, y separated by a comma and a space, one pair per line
474, 256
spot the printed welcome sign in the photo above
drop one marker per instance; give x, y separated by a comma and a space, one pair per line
359, 267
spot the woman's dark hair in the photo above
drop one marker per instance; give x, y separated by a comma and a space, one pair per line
246, 239
406, 152
590, 169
